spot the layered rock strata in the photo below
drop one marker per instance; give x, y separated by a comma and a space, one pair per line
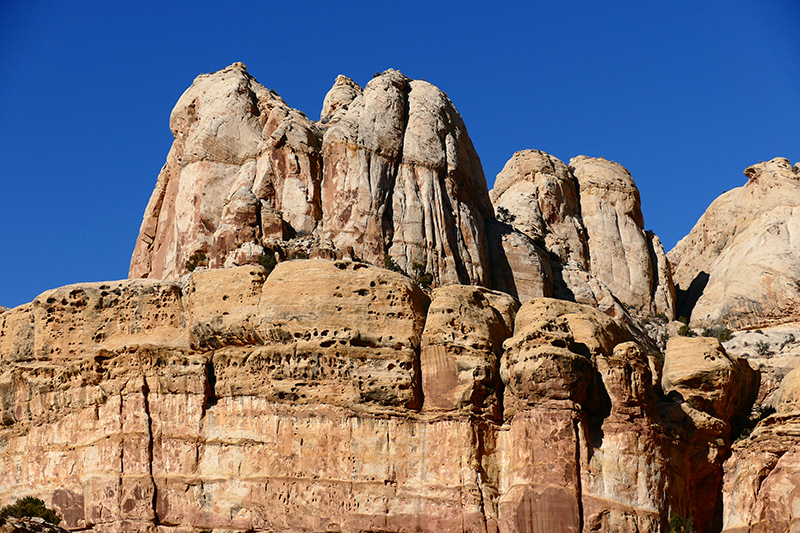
740, 264
334, 395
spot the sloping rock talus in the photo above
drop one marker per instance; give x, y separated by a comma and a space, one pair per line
387, 171
335, 395
740, 264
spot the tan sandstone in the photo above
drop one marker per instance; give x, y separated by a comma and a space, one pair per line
739, 264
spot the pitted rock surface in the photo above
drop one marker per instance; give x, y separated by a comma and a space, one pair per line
240, 398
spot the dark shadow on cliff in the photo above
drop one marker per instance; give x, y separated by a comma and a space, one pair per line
502, 276
687, 299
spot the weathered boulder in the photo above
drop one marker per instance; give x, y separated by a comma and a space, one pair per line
740, 264
700, 372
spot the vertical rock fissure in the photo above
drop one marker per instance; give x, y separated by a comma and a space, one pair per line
578, 485
146, 405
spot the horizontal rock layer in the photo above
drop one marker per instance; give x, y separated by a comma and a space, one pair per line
334, 395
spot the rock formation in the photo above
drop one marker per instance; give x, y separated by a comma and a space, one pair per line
588, 215
244, 167
740, 264
762, 485
464, 388
337, 395
387, 171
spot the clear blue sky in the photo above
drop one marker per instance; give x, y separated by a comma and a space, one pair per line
685, 94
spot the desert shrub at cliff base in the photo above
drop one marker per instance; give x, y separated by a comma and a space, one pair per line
29, 507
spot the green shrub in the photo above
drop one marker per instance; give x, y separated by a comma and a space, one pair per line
267, 261
679, 524
683, 319
505, 216
29, 507
725, 335
195, 260
423, 277
390, 264
300, 254
686, 331
762, 349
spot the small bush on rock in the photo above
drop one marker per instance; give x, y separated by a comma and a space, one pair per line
29, 507
762, 349
686, 331
390, 264
195, 260
505, 216
423, 277
267, 261
679, 524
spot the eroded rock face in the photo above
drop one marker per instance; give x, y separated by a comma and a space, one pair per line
588, 217
762, 479
241, 399
387, 171
240, 157
402, 178
461, 349
740, 263
519, 267
700, 371
619, 248
540, 192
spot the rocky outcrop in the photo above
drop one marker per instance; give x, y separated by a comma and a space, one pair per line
244, 168
402, 178
29, 525
588, 216
762, 476
539, 194
336, 395
699, 371
620, 250
740, 264
389, 171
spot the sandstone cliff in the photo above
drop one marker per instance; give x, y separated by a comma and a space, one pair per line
388, 175
740, 264
588, 215
389, 170
333, 395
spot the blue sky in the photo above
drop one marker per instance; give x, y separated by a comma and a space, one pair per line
685, 94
